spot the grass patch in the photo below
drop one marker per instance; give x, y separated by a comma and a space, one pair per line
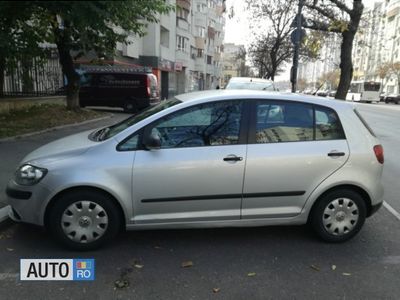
42, 117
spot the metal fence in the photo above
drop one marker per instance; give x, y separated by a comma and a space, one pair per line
33, 78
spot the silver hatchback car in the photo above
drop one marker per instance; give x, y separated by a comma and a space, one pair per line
207, 159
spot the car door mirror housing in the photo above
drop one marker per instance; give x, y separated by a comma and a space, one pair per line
151, 142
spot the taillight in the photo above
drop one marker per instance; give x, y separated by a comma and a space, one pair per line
148, 86
378, 149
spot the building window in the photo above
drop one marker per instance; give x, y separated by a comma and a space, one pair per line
200, 52
201, 7
193, 52
209, 60
164, 36
182, 43
182, 13
200, 31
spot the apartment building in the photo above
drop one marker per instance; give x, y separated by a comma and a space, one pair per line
327, 61
378, 43
232, 64
183, 49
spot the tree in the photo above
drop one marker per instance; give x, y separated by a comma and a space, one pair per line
272, 49
383, 71
330, 79
77, 28
337, 16
20, 40
394, 70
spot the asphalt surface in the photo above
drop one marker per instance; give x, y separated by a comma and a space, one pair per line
283, 262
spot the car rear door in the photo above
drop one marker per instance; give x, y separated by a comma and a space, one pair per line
289, 155
197, 175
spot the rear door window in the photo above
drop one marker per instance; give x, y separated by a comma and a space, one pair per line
284, 122
295, 122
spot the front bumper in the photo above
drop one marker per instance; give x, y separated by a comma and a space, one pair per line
27, 202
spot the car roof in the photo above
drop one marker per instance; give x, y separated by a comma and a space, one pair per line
251, 79
220, 95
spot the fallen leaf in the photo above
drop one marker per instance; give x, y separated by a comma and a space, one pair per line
187, 264
346, 274
138, 266
157, 247
315, 268
216, 290
333, 267
251, 274
121, 283
10, 249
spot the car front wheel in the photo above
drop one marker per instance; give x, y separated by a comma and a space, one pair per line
84, 220
338, 215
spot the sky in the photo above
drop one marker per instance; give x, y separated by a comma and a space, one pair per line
237, 29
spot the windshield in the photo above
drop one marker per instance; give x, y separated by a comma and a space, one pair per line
251, 85
107, 132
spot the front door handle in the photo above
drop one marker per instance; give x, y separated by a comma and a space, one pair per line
336, 154
233, 158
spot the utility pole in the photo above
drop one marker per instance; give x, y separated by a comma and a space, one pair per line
297, 35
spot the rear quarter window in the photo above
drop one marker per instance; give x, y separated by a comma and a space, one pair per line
327, 125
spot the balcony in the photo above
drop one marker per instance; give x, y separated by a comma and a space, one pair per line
182, 24
183, 3
200, 42
183, 57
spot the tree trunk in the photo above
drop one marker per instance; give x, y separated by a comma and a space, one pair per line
67, 66
346, 65
2, 70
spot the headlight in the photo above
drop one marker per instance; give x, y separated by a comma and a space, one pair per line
29, 175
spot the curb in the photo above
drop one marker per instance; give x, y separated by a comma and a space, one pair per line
12, 138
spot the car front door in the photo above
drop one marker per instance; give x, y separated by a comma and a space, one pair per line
292, 148
197, 174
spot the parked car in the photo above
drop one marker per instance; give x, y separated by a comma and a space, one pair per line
322, 93
205, 159
332, 94
129, 88
250, 83
395, 98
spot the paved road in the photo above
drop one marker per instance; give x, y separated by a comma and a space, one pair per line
288, 262
384, 119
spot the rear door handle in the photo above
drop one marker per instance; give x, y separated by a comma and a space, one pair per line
336, 154
233, 158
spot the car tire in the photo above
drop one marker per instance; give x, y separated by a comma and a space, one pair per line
338, 215
84, 220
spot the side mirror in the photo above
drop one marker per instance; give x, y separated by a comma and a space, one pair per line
152, 142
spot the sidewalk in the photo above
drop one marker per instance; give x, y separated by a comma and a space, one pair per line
12, 151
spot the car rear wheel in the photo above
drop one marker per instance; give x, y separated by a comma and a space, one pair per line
84, 220
338, 215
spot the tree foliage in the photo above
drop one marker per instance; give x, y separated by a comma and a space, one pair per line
339, 17
20, 40
80, 27
273, 48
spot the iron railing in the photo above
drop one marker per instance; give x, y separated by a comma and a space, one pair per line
33, 78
